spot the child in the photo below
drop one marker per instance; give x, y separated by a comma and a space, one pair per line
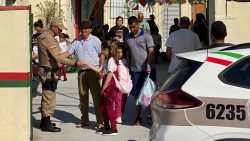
63, 48
35, 63
121, 98
109, 89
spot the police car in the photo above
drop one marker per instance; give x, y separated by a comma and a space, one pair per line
206, 99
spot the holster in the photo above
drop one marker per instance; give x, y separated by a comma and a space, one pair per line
47, 77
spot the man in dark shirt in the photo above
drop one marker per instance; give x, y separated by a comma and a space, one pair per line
153, 27
175, 26
218, 34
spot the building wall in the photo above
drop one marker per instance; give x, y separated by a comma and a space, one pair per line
186, 10
2, 2
233, 14
66, 5
236, 17
15, 81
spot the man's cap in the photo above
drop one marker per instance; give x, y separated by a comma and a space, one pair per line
85, 24
58, 23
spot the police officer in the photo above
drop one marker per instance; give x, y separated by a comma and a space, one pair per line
49, 57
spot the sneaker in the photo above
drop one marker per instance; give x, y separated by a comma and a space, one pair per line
110, 132
119, 120
138, 121
100, 130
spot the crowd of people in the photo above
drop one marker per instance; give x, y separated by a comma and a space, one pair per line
98, 52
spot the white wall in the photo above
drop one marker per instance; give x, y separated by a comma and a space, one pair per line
2, 2
15, 100
236, 17
67, 7
186, 10
234, 14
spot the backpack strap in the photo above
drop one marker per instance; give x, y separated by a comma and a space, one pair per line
117, 83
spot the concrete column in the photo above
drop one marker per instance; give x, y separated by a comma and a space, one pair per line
2, 2
211, 15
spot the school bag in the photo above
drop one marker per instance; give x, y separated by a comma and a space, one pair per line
123, 82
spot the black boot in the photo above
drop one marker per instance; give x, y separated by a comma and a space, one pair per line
47, 127
42, 123
53, 124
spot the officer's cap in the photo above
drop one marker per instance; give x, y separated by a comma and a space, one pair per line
85, 24
58, 23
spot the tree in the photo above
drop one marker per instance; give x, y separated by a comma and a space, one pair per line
48, 11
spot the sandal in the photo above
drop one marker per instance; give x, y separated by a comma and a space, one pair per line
138, 121
82, 125
149, 120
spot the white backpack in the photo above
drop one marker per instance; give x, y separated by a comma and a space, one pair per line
124, 82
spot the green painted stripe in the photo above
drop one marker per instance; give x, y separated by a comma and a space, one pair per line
234, 55
14, 83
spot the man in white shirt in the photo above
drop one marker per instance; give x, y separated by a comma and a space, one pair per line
180, 41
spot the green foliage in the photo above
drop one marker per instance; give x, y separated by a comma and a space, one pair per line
49, 10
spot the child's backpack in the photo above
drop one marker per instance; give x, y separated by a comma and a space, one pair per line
124, 82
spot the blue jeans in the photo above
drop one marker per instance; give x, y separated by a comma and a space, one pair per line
138, 79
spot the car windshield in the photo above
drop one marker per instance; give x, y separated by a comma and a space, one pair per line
183, 72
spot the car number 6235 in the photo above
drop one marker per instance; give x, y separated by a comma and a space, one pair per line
229, 112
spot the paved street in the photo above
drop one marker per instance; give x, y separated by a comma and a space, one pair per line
67, 114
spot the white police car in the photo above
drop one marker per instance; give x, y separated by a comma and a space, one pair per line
206, 99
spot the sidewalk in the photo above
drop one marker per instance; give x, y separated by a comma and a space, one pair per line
67, 114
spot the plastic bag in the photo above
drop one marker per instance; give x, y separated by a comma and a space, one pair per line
146, 93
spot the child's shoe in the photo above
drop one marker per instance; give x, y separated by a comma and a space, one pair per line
119, 120
110, 132
100, 130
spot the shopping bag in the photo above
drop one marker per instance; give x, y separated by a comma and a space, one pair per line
146, 93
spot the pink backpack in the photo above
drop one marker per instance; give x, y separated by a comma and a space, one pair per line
124, 82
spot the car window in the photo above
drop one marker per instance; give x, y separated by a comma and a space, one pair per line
181, 75
238, 74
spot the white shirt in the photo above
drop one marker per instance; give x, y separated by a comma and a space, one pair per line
180, 41
35, 51
63, 46
109, 66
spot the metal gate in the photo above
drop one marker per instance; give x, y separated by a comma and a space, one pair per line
164, 15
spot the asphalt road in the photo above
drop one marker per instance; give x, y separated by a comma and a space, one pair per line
67, 114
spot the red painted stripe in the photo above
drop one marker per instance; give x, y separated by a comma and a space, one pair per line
5, 8
219, 61
14, 76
